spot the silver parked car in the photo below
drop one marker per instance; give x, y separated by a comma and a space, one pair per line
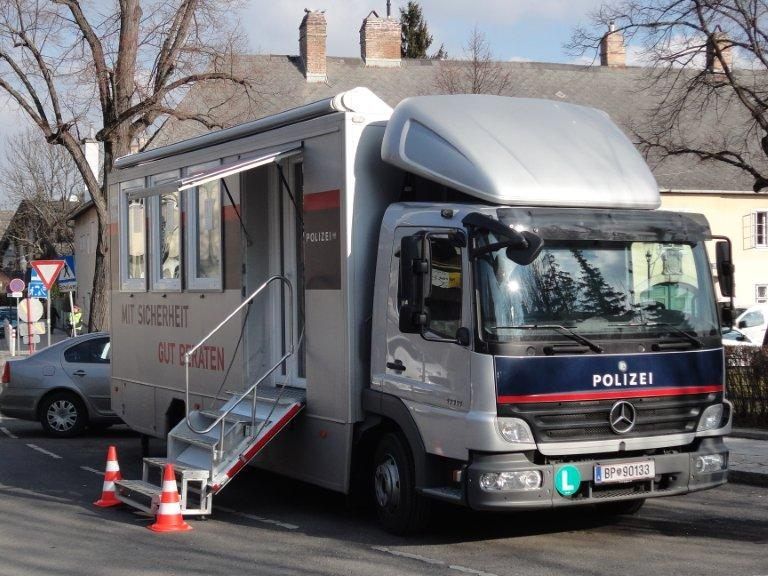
65, 387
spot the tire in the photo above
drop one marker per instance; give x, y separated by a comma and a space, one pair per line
621, 508
63, 415
400, 509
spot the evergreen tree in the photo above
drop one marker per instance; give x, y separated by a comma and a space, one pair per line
416, 38
597, 296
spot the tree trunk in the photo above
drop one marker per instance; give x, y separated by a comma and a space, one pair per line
99, 317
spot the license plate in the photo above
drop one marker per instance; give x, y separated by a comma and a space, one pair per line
624, 472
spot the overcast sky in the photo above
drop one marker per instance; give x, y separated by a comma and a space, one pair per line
515, 30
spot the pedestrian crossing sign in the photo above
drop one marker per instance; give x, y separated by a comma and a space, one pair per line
67, 278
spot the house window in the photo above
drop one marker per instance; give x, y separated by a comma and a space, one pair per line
204, 266
133, 235
166, 235
755, 228
761, 293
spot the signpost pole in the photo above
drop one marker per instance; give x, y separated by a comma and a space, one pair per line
72, 313
30, 339
48, 316
18, 331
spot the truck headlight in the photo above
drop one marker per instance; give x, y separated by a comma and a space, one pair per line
510, 481
709, 463
711, 418
514, 430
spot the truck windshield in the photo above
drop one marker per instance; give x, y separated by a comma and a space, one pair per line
600, 288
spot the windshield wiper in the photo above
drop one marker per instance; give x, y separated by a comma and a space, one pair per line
562, 329
692, 339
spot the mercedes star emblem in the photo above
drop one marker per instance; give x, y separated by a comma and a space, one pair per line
622, 417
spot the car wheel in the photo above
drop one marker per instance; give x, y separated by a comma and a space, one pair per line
63, 415
399, 508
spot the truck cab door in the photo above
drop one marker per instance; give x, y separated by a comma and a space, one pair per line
430, 369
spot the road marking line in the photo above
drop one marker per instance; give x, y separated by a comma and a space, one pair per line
44, 451
9, 433
92, 470
470, 571
432, 561
259, 518
409, 555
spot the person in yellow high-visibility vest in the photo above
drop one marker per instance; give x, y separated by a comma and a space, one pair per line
76, 320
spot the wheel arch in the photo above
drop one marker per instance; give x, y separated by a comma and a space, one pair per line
389, 413
58, 389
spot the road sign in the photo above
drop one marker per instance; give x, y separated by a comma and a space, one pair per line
67, 278
30, 310
17, 285
27, 328
36, 289
48, 270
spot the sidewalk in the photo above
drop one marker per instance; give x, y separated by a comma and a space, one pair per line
749, 457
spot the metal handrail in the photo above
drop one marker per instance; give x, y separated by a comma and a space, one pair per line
286, 282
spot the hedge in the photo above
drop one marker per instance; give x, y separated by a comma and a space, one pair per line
747, 385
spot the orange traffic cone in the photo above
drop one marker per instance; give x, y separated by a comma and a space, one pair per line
169, 518
112, 473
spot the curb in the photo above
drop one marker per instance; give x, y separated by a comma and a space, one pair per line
747, 478
749, 433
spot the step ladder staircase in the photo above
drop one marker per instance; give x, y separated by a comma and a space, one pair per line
209, 447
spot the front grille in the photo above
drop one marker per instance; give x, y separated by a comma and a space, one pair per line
588, 420
662, 483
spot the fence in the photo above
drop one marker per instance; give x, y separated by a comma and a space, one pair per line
747, 385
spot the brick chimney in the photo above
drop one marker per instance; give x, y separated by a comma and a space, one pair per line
380, 41
312, 35
719, 39
612, 51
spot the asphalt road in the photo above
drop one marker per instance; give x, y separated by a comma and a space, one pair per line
264, 524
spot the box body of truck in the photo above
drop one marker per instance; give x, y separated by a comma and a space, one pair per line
587, 370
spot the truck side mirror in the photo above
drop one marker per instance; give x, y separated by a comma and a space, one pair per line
725, 270
526, 254
415, 283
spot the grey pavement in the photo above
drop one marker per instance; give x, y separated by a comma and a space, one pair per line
748, 462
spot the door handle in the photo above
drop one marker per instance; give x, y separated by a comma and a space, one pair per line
397, 365
78, 373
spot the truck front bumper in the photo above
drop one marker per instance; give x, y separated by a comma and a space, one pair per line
676, 473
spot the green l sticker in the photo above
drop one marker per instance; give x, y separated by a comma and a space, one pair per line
567, 480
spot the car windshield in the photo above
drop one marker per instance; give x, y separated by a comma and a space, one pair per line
602, 288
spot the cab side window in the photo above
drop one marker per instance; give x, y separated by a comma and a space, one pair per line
444, 302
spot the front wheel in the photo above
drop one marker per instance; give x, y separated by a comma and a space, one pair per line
399, 508
63, 415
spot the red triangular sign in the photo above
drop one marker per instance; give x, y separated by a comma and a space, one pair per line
48, 270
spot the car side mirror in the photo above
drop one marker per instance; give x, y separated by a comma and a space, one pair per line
463, 336
742, 324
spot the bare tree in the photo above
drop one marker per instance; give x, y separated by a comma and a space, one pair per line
709, 106
43, 185
122, 67
476, 73
36, 171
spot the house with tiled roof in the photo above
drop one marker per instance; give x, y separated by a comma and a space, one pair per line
280, 82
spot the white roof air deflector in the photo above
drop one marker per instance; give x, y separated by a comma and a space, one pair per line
519, 151
235, 168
